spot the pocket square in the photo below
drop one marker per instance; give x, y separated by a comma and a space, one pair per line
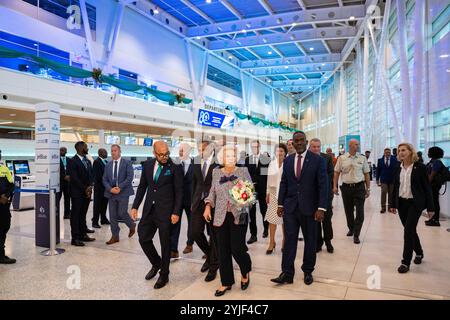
168, 173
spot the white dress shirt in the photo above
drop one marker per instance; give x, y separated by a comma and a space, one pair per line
405, 182
186, 165
255, 159
118, 166
208, 162
296, 161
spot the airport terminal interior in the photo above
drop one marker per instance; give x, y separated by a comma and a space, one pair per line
138, 77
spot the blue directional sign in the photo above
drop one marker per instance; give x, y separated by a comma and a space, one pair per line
209, 118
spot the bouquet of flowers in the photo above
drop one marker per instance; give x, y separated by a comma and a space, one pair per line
243, 193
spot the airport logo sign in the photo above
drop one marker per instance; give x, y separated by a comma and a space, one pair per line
213, 119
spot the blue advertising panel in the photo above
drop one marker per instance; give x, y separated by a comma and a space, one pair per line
213, 119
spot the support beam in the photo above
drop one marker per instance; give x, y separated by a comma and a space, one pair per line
88, 34
112, 42
291, 61
266, 6
274, 21
230, 8
295, 83
293, 71
328, 33
297, 88
197, 11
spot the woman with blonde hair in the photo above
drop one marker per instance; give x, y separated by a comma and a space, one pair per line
411, 195
229, 221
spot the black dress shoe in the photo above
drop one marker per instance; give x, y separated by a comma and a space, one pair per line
244, 285
205, 267
7, 260
403, 268
106, 222
318, 249
161, 282
283, 278
210, 276
152, 273
330, 247
349, 233
432, 223
220, 293
77, 243
96, 225
418, 259
356, 240
87, 239
90, 231
265, 234
308, 278
252, 240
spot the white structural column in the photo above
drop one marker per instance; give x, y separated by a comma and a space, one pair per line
203, 74
419, 20
340, 104
399, 136
113, 39
365, 87
191, 70
274, 106
87, 31
359, 79
404, 72
319, 114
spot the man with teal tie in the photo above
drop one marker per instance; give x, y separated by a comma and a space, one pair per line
100, 201
162, 180
63, 183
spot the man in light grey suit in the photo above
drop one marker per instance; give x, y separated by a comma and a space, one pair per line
117, 179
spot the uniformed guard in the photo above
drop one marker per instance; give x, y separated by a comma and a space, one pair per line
354, 170
6, 193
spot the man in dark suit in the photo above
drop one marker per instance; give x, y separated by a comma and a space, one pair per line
186, 165
63, 183
257, 165
117, 181
81, 181
201, 184
100, 201
314, 147
385, 177
302, 202
162, 180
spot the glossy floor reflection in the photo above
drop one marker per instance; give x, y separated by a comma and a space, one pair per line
117, 271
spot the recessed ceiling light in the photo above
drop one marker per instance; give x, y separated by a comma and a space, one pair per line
269, 80
156, 11
198, 38
311, 49
208, 1
270, 52
244, 31
323, 64
351, 18
448, 70
286, 67
215, 74
251, 70
294, 24
230, 57
444, 56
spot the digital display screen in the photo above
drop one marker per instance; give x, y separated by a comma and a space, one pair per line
112, 139
10, 166
21, 167
130, 140
148, 142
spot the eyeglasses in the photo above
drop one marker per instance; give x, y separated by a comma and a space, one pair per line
163, 155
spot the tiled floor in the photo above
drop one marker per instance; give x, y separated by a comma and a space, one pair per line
117, 272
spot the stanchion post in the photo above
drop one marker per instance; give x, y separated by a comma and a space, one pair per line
53, 251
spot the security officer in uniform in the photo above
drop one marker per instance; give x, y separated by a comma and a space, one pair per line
354, 170
6, 193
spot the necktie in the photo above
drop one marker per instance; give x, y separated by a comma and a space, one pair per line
205, 165
387, 162
158, 172
85, 162
115, 172
184, 167
299, 166
64, 161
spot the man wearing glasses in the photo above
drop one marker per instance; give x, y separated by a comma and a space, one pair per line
162, 180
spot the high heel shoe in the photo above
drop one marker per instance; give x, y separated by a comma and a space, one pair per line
244, 285
220, 293
270, 251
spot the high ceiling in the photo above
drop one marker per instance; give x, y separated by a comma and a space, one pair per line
293, 45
